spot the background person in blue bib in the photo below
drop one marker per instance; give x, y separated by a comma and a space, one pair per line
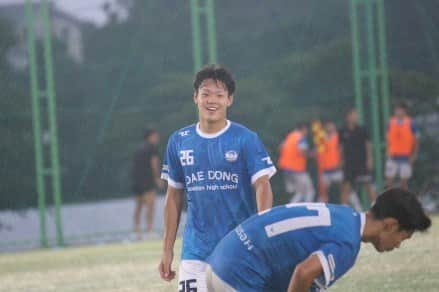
298, 247
224, 169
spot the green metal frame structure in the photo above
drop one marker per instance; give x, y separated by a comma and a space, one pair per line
44, 109
206, 8
369, 55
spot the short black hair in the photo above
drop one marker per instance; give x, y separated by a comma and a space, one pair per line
216, 73
403, 206
148, 132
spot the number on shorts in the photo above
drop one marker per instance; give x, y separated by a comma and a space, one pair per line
185, 286
323, 218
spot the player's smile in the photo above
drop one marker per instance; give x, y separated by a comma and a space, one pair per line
212, 108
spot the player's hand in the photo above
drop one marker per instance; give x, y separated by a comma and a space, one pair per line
160, 184
165, 266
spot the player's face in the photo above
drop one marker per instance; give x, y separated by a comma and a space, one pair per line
399, 113
305, 131
154, 138
352, 117
330, 128
212, 100
391, 238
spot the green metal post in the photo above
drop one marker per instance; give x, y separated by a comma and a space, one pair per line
356, 62
196, 35
374, 95
36, 118
50, 87
385, 98
211, 31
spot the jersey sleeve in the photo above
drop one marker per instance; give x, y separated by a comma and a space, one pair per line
336, 260
172, 170
257, 160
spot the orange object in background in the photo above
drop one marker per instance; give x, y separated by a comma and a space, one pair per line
330, 157
291, 157
400, 137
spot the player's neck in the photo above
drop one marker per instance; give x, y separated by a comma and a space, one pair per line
212, 127
351, 126
372, 228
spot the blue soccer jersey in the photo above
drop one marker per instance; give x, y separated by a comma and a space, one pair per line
217, 173
263, 251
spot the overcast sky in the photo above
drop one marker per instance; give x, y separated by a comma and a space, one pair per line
90, 10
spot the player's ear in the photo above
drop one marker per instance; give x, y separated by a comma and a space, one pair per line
195, 97
391, 224
230, 100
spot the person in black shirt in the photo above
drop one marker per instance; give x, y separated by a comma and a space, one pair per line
357, 160
145, 178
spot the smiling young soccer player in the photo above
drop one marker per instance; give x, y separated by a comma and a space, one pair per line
224, 169
298, 247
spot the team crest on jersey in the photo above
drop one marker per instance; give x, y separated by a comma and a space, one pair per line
231, 156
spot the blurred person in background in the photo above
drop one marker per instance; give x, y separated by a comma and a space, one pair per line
329, 158
145, 179
294, 152
402, 146
356, 157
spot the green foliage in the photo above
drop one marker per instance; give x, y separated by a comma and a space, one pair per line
291, 59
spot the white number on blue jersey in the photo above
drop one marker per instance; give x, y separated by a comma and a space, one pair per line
187, 157
323, 218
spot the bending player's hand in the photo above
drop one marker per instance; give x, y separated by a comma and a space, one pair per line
160, 184
165, 266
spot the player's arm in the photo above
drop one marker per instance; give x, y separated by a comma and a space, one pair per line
264, 194
304, 274
415, 151
341, 148
369, 157
172, 212
341, 152
155, 166
368, 145
261, 169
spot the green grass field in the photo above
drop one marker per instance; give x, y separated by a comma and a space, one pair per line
133, 267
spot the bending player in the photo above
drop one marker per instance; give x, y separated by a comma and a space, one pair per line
224, 170
298, 247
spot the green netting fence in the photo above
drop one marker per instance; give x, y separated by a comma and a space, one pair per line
293, 61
